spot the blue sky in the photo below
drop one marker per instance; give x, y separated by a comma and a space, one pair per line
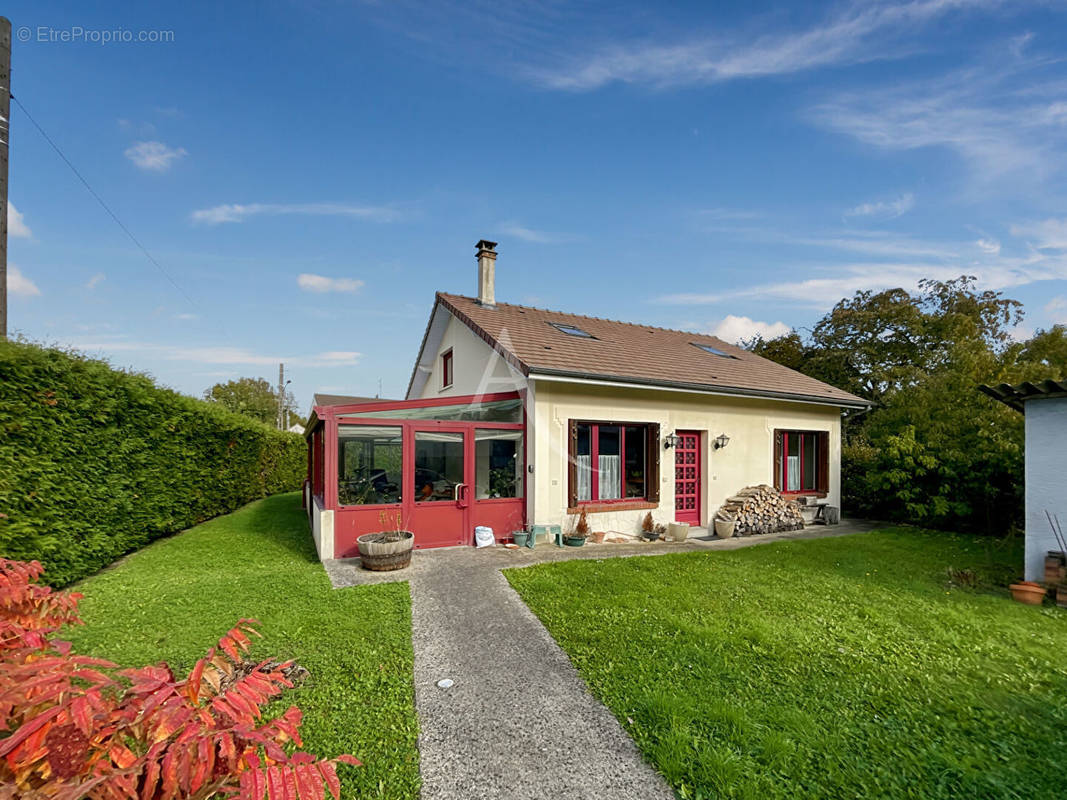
308, 174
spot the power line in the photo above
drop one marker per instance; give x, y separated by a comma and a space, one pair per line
106, 207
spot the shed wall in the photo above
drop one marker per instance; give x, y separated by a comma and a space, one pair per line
1046, 478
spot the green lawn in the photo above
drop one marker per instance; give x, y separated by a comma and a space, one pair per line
173, 599
845, 667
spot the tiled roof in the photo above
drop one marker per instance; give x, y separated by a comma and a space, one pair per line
625, 352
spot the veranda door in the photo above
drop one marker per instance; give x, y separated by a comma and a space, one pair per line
687, 477
437, 491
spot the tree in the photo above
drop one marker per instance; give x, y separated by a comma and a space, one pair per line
253, 397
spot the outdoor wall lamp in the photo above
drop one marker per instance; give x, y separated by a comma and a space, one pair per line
669, 441
721, 441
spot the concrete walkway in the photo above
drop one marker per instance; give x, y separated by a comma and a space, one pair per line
518, 722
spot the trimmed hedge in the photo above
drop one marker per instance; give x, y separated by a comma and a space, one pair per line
96, 462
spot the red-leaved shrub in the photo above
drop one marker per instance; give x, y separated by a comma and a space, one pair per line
76, 727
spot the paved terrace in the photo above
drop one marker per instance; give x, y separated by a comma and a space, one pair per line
518, 721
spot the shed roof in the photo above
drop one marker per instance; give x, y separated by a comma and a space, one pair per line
536, 342
1015, 396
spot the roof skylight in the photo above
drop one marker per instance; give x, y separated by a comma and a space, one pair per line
707, 348
571, 330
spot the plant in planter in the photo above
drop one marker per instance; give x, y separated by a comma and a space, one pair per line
387, 549
648, 528
580, 533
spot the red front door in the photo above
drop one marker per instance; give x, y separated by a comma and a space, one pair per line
438, 486
687, 477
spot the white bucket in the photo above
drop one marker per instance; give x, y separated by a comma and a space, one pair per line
483, 536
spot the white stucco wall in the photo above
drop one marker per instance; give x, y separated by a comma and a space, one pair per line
476, 367
1046, 478
747, 460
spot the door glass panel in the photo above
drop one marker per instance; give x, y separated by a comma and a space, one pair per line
583, 455
635, 462
808, 448
610, 483
369, 465
498, 464
438, 466
492, 411
792, 463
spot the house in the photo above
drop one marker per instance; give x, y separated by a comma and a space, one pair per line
1045, 407
516, 416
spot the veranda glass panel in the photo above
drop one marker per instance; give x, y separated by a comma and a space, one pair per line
495, 411
438, 466
498, 464
369, 465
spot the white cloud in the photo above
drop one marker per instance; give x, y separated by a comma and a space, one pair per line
16, 224
1049, 234
1002, 122
989, 245
186, 316
237, 212
154, 156
96, 280
1056, 308
19, 285
220, 354
320, 283
885, 209
861, 32
734, 329
534, 236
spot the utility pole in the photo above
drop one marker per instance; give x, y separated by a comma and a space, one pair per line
281, 393
5, 137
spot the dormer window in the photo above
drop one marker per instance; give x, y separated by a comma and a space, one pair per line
707, 348
446, 369
571, 330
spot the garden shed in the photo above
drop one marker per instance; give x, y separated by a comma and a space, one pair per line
1045, 407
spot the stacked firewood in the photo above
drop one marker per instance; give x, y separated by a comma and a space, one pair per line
760, 509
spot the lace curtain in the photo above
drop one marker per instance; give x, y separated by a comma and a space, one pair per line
610, 477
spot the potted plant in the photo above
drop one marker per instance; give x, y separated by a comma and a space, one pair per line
387, 549
725, 523
580, 533
648, 528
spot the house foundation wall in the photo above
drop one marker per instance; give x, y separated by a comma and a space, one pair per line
321, 528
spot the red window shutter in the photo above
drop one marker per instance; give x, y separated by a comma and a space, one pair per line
572, 463
778, 462
652, 464
822, 477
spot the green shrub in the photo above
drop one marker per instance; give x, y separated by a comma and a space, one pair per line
96, 462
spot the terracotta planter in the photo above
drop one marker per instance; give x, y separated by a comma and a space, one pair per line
386, 550
724, 530
1028, 592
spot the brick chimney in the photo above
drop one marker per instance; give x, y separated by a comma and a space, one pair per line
486, 272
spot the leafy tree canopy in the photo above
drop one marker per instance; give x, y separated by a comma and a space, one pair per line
253, 397
933, 450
